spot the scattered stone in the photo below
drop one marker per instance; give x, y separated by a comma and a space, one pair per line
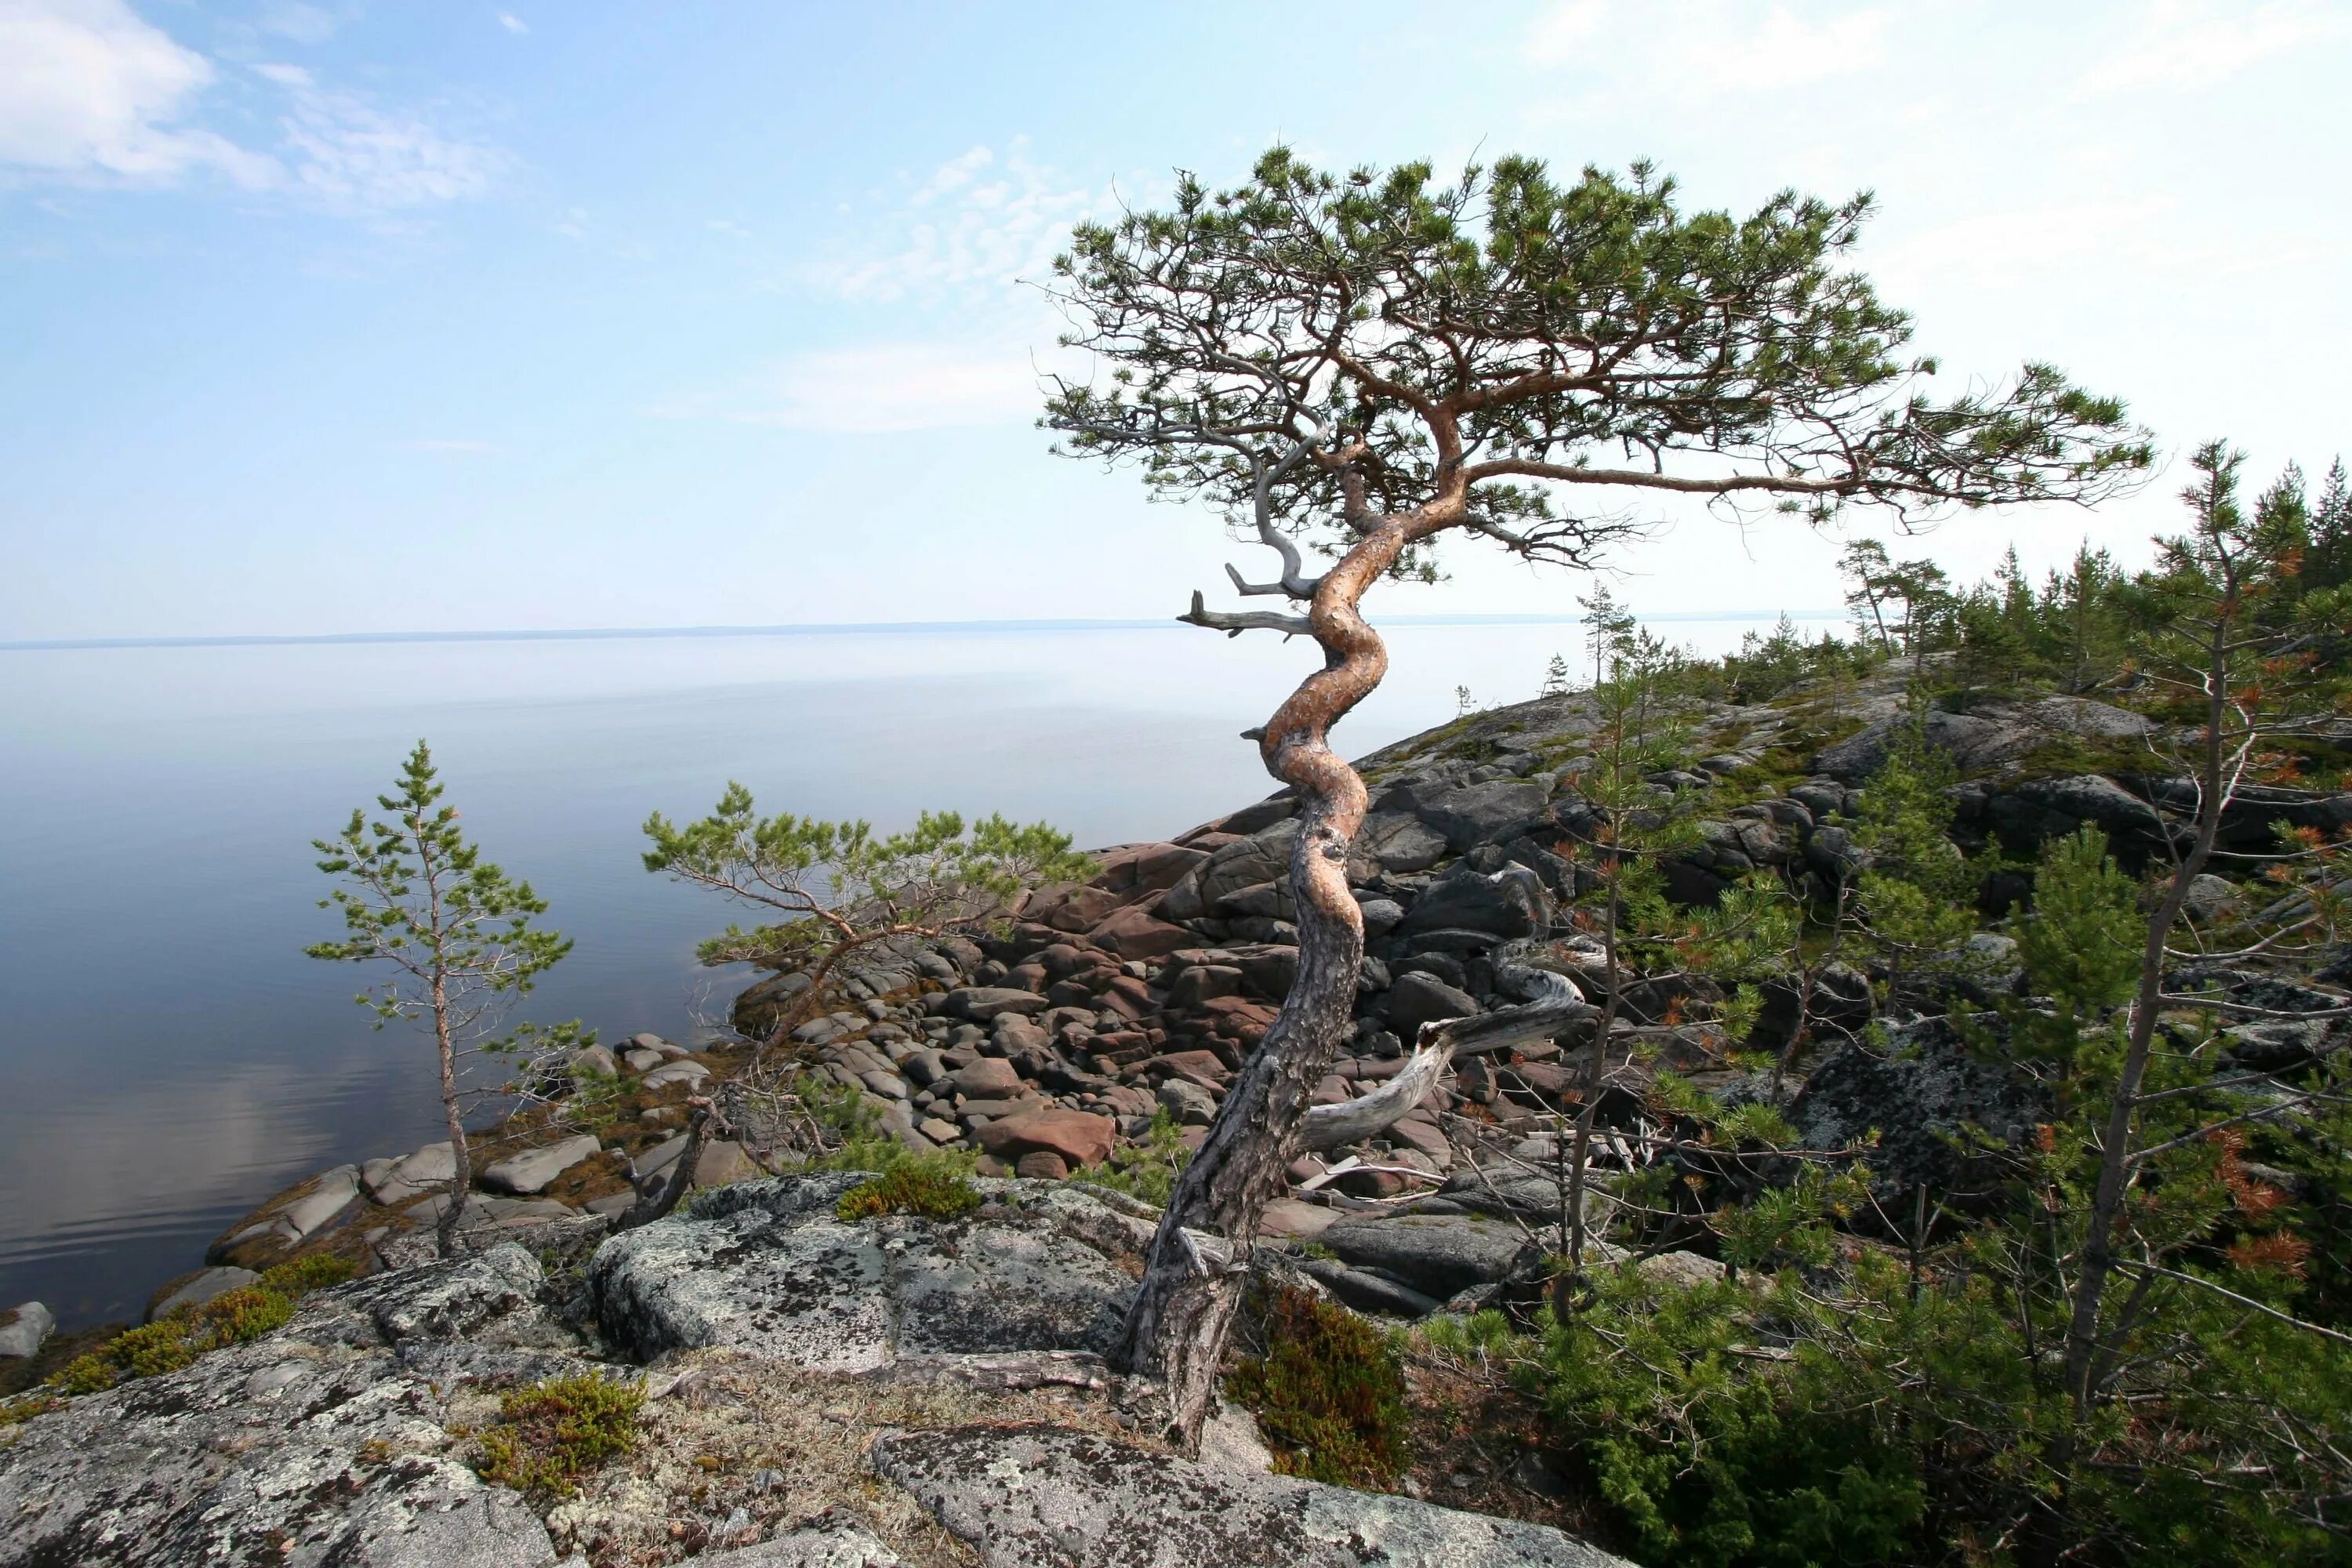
525, 1174
27, 1329
990, 1077
1438, 1255
643, 1060
1417, 999
1133, 934
1076, 1137
592, 1062
1188, 1102
1368, 1291
1042, 1164
694, 1075
1510, 902
1296, 1218
1473, 814
200, 1287
1684, 1270
336, 1191
1399, 841
981, 1003
2210, 897
723, 1163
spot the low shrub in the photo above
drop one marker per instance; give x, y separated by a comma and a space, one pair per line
301, 1275
549, 1436
934, 1188
1328, 1392
177, 1338
1148, 1167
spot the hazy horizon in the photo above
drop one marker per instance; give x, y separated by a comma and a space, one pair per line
331, 315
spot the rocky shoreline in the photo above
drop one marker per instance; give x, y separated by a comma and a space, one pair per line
1106, 1013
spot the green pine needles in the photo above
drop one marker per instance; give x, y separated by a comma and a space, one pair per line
454, 931
839, 886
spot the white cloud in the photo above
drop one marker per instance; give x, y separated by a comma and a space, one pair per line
1692, 48
513, 24
349, 155
88, 90
980, 220
2193, 45
880, 387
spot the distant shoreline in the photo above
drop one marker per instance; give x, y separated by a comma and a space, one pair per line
870, 628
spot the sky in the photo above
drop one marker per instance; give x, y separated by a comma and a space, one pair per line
352, 317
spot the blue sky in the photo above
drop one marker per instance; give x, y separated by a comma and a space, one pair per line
336, 317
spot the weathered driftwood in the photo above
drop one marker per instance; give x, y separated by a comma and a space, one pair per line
1509, 1028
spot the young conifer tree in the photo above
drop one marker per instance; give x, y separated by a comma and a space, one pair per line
454, 930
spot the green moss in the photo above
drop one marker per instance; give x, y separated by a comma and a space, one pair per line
934, 1189
177, 1338
1327, 1393
549, 1436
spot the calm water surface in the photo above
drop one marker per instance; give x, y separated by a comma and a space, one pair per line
170, 1058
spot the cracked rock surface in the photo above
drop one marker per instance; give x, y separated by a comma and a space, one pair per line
1042, 1497
769, 1271
323, 1444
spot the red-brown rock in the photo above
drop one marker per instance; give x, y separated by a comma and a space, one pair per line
1079, 1137
1133, 934
1043, 1164
1132, 869
1200, 1066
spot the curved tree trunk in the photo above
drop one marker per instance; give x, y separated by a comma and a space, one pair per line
1176, 1329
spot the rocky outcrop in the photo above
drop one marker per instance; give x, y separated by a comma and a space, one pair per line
765, 1267
1044, 1497
346, 1437
326, 1441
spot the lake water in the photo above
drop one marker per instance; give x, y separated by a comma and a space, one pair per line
170, 1059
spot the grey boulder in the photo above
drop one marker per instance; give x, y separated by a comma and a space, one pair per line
1417, 999
201, 1287
1473, 813
767, 1268
1041, 1496
531, 1172
1399, 841
25, 1329
1438, 1255
1511, 902
981, 1003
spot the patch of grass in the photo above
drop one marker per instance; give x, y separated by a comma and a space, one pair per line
177, 1338
549, 1436
933, 1188
1148, 1167
1328, 1392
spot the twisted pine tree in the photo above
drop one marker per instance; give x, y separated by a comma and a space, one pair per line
1371, 362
